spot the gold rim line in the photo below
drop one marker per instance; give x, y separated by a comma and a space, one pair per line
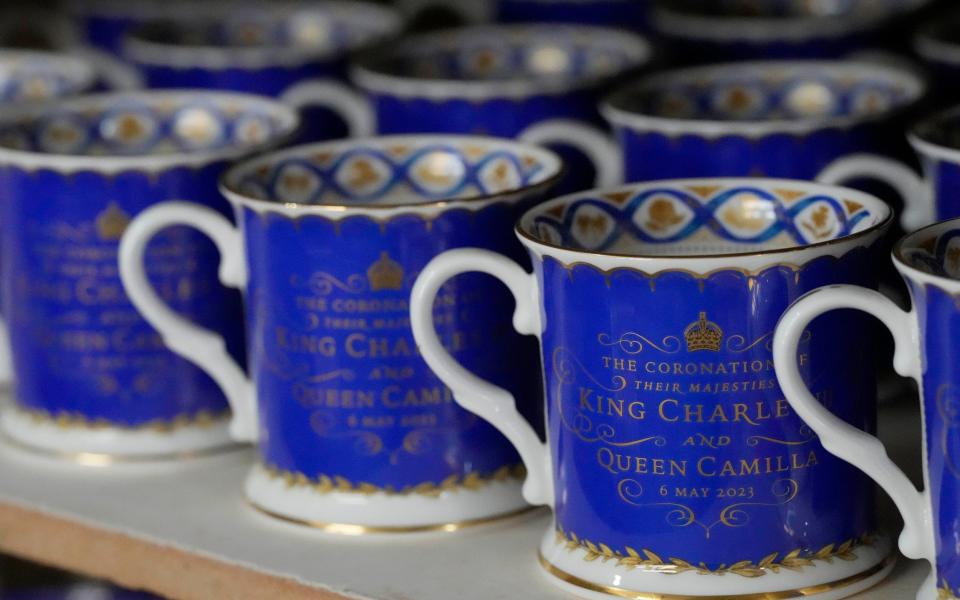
782, 595
348, 529
105, 459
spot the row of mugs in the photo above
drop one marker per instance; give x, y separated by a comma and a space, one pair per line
669, 441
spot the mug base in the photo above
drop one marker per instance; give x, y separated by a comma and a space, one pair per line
598, 580
355, 513
105, 444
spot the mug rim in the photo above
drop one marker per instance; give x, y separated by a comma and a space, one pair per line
112, 163
138, 48
85, 72
767, 29
930, 48
613, 110
367, 73
919, 275
689, 259
228, 187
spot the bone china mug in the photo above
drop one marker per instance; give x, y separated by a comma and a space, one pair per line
926, 340
355, 433
287, 50
504, 80
671, 453
927, 197
90, 376
766, 118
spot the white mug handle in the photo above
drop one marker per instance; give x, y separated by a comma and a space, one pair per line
6, 355
352, 106
918, 209
113, 72
201, 346
841, 439
490, 402
600, 147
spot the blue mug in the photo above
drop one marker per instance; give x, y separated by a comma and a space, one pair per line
355, 433
629, 14
727, 30
767, 118
926, 350
92, 379
928, 196
287, 51
670, 452
502, 80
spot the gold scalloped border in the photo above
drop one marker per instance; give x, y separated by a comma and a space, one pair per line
325, 484
72, 420
795, 560
945, 593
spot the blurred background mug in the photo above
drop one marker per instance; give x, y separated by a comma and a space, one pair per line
91, 377
926, 336
927, 197
355, 433
766, 118
670, 452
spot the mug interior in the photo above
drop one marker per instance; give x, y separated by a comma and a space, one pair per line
393, 171
27, 76
320, 29
934, 250
771, 91
941, 130
703, 217
512, 53
148, 124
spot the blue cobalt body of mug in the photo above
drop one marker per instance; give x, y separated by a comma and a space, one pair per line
91, 376
929, 261
104, 23
703, 32
770, 118
671, 452
629, 14
351, 423
505, 80
275, 51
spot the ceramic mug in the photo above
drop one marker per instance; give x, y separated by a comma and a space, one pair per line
925, 338
104, 23
928, 196
355, 433
767, 118
288, 50
502, 80
92, 379
699, 31
670, 452
938, 47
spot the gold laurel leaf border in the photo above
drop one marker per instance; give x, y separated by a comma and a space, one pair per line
73, 420
326, 484
794, 560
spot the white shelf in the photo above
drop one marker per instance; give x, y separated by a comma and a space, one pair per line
184, 531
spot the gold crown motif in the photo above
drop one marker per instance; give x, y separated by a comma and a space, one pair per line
703, 335
385, 274
112, 222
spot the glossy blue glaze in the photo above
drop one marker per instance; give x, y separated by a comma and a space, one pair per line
81, 351
343, 394
632, 14
670, 436
776, 119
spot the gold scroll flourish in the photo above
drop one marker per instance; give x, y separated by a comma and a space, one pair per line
734, 515
630, 559
632, 342
420, 441
70, 420
365, 443
322, 283
948, 405
945, 593
326, 484
805, 431
738, 343
565, 366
